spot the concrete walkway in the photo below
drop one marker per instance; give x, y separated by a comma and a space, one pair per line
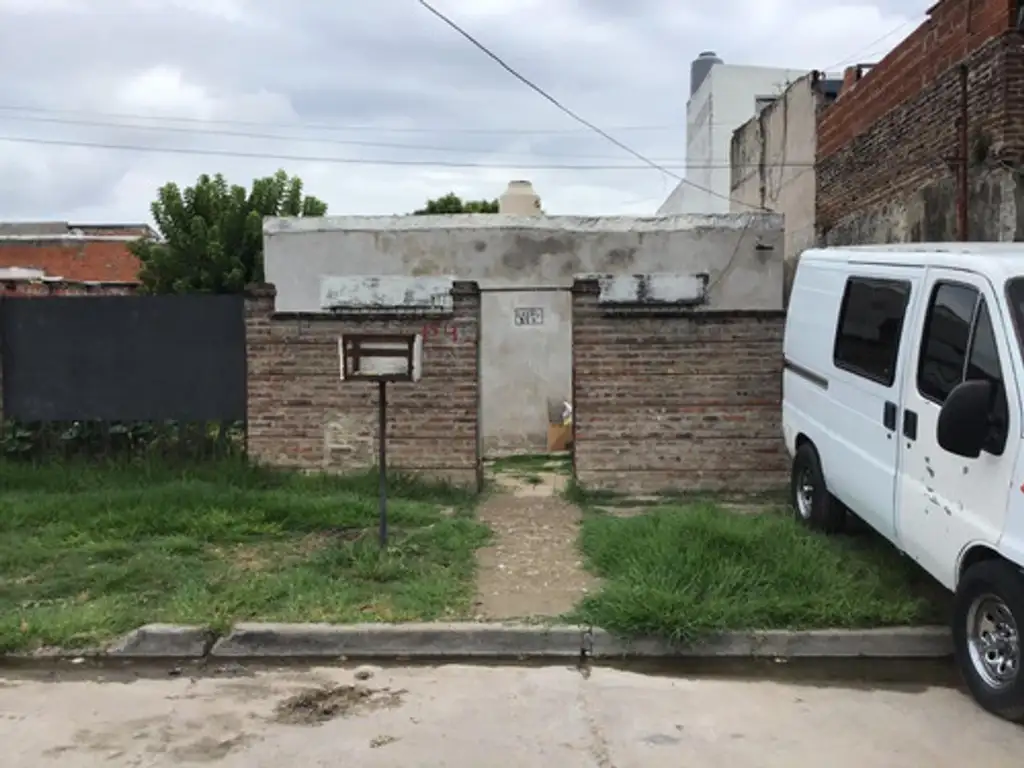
533, 568
466, 717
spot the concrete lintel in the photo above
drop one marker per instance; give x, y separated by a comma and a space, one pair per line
754, 222
651, 289
378, 292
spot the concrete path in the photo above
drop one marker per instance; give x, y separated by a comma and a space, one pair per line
466, 717
533, 568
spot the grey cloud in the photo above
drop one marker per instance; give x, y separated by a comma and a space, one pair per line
384, 63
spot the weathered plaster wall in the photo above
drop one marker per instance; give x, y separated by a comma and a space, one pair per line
524, 263
772, 165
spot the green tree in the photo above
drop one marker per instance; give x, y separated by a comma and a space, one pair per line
452, 203
212, 233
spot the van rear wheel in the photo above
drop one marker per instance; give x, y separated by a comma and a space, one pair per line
988, 615
812, 503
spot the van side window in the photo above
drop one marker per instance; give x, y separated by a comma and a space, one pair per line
983, 363
870, 325
944, 345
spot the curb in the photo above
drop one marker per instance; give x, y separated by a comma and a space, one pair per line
436, 641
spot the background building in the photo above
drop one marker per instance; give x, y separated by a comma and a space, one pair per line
72, 252
722, 98
772, 161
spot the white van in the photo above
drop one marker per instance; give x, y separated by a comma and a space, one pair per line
902, 404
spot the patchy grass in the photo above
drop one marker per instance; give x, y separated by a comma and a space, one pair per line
529, 463
678, 572
88, 552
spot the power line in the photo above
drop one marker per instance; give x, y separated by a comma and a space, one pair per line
334, 127
853, 56
315, 158
360, 160
278, 137
551, 99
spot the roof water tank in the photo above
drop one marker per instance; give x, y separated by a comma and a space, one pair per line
519, 200
700, 67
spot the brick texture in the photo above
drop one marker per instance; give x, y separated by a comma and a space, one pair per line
922, 58
302, 415
73, 258
688, 403
893, 134
906, 149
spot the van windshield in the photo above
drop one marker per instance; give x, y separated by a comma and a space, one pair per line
1015, 296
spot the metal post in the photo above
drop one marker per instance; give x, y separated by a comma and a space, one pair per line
963, 177
382, 459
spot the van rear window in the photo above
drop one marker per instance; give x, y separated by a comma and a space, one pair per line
870, 325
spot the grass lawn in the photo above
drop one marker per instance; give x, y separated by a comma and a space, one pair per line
681, 571
88, 552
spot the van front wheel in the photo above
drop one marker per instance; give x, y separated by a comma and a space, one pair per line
812, 503
988, 615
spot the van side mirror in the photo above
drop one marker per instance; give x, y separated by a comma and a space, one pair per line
963, 424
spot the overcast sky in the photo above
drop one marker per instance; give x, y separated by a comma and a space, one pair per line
239, 71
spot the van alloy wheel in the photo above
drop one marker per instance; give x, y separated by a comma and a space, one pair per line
805, 494
993, 641
813, 505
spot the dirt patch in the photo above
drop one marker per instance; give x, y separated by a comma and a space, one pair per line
322, 704
533, 568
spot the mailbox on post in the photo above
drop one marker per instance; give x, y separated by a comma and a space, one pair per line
381, 358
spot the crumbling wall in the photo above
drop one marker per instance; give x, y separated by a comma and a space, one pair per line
668, 397
302, 415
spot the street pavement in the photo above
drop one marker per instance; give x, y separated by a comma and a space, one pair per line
480, 717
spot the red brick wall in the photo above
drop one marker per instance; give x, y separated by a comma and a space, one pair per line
893, 180
73, 258
689, 402
911, 67
302, 415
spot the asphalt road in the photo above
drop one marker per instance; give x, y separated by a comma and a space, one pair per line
469, 717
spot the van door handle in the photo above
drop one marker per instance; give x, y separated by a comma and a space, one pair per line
889, 416
909, 424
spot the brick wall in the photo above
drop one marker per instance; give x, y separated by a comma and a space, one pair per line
688, 402
73, 258
302, 415
884, 147
937, 45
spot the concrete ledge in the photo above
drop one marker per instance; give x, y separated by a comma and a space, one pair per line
425, 641
469, 641
895, 642
169, 641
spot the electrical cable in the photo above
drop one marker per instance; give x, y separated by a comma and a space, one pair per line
562, 107
856, 54
313, 158
331, 127
348, 160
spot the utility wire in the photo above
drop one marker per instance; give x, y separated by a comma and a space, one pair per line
333, 127
852, 58
314, 158
675, 162
551, 99
278, 137
353, 160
